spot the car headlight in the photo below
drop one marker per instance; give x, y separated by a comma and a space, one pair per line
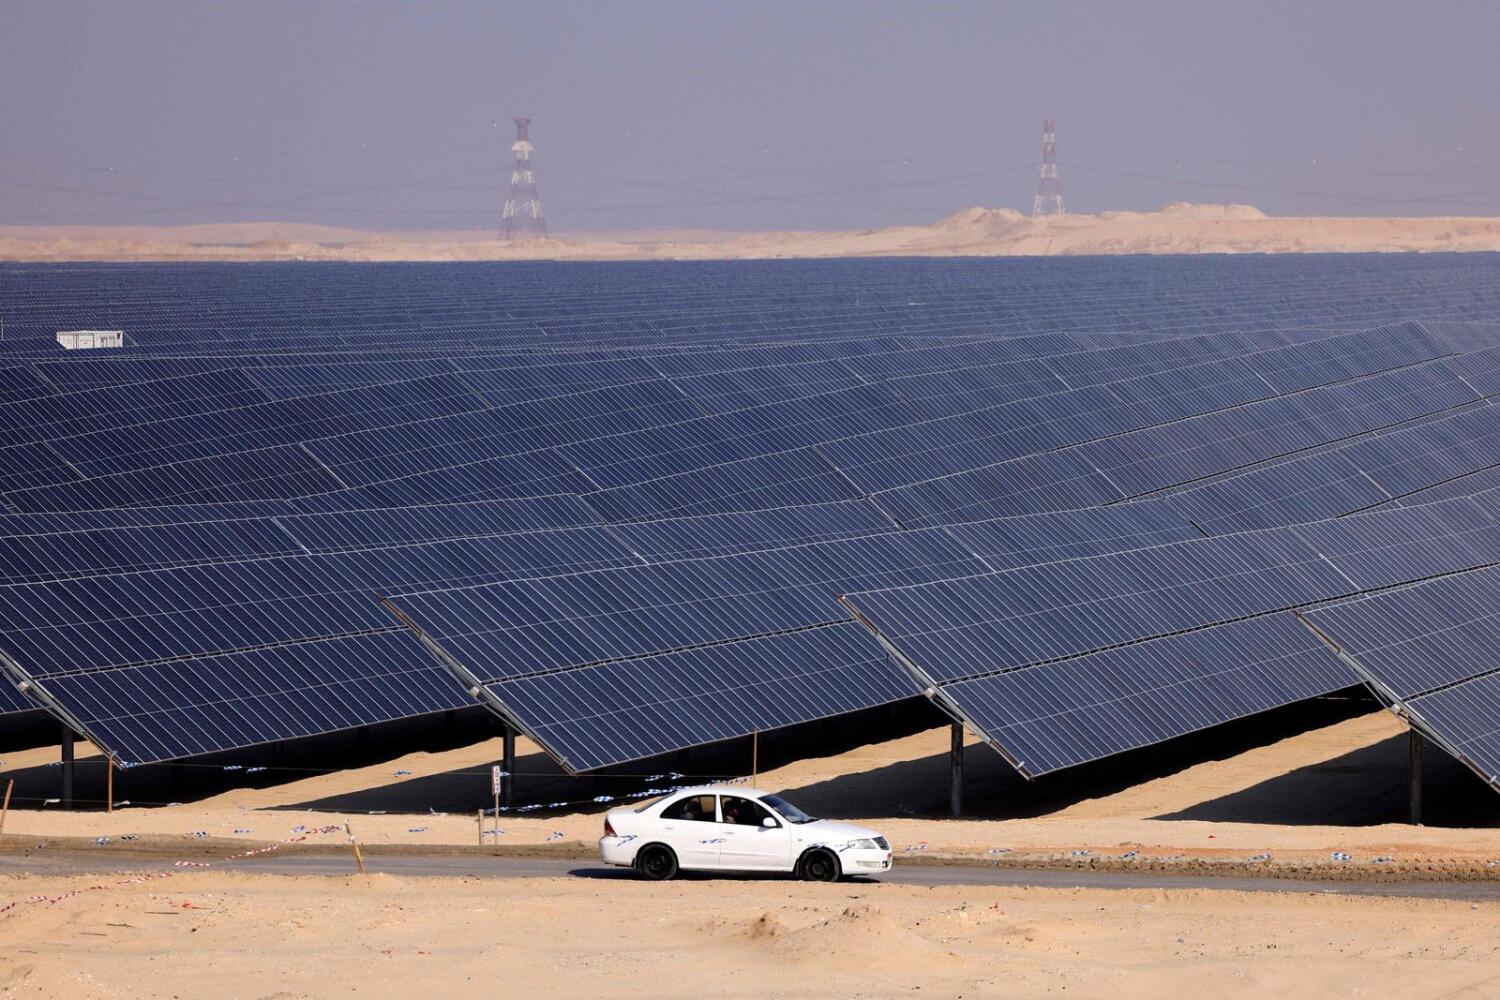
861, 845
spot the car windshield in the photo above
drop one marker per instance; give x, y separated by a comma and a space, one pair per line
788, 811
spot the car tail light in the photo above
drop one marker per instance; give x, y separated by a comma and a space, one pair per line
609, 829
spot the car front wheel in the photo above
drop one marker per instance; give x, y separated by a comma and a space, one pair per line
656, 863
820, 866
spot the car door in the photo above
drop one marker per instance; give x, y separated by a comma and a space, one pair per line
690, 826
750, 845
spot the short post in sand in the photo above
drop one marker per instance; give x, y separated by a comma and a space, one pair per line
479, 824
359, 861
10, 786
497, 776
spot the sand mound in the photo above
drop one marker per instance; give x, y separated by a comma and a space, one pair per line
1190, 210
765, 926
861, 935
978, 216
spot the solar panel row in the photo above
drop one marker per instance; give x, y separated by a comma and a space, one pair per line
1130, 616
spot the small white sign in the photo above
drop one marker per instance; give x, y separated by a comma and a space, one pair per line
495, 773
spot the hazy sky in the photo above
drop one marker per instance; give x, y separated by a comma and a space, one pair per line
751, 115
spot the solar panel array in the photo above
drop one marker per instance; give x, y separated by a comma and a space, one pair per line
639, 508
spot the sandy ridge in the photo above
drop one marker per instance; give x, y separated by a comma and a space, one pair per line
1177, 229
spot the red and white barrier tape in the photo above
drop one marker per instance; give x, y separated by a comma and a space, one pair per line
136, 879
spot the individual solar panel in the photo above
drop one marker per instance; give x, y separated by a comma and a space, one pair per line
20, 382
258, 475
264, 425
1006, 543
94, 552
785, 479
1158, 458
339, 530
182, 708
627, 710
1433, 651
61, 415
696, 537
1048, 718
548, 624
97, 622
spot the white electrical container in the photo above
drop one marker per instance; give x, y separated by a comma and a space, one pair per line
79, 340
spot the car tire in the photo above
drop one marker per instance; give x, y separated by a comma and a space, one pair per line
656, 863
819, 866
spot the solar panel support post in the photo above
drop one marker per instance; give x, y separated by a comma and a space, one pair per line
67, 768
1415, 786
956, 766
508, 770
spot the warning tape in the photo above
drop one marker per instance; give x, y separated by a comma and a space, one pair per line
15, 904
53, 900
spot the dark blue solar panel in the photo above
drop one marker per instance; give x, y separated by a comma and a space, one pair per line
74, 413
30, 558
1157, 458
1433, 650
334, 531
256, 475
1078, 710
181, 708
785, 479
693, 537
1132, 613
21, 382
631, 709
536, 626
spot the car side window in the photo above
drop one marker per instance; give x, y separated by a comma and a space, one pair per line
743, 812
693, 808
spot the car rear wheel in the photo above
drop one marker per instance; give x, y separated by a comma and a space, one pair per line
820, 866
656, 863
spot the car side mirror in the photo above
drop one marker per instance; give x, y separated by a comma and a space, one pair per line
769, 823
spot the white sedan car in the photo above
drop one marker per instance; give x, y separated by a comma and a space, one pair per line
729, 828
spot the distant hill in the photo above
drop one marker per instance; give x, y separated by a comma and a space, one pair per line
1178, 228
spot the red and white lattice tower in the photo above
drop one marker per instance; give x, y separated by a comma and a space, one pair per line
522, 216
1049, 198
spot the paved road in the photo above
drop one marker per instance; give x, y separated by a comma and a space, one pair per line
72, 862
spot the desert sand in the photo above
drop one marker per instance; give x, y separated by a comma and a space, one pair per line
248, 936
1178, 228
1281, 799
